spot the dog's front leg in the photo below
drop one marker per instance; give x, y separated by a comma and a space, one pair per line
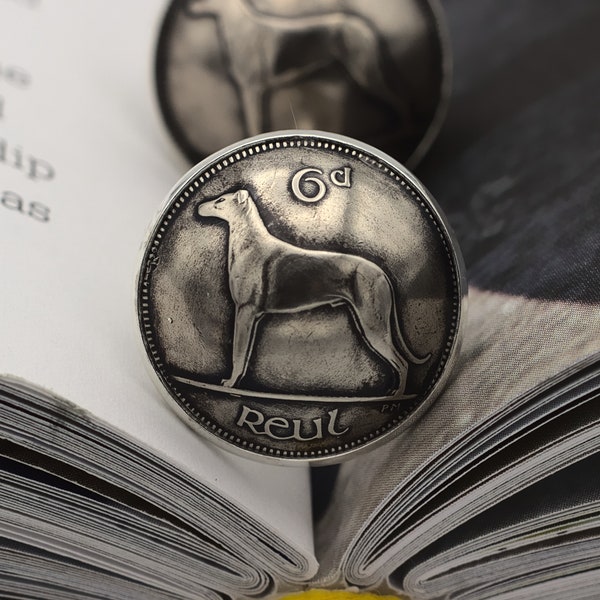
253, 107
244, 328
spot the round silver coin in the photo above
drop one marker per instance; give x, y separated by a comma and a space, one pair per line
300, 297
378, 71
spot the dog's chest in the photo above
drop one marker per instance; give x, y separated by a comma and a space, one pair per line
244, 273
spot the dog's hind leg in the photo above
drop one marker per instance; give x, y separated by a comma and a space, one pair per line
361, 54
372, 307
378, 336
244, 330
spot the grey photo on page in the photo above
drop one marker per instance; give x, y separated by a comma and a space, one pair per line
517, 168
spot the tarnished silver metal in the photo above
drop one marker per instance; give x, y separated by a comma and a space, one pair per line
300, 297
378, 71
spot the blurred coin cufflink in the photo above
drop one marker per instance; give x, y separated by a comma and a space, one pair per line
377, 71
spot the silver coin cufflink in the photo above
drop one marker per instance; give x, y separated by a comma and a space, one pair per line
300, 297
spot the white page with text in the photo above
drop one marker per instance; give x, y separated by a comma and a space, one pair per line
85, 162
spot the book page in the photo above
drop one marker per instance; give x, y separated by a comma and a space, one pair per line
517, 168
85, 162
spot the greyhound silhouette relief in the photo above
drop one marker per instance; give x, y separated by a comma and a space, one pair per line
257, 47
269, 275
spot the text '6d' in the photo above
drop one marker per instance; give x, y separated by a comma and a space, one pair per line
310, 184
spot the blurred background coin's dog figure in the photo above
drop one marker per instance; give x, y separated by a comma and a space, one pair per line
377, 71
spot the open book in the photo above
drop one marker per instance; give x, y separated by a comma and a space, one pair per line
105, 493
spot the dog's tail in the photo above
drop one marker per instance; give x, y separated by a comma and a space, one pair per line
408, 353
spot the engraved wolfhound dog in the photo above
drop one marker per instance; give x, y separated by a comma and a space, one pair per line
268, 275
266, 52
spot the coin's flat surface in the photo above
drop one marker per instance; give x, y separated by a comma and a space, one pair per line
378, 71
300, 296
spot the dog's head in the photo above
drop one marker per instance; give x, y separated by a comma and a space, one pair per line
226, 206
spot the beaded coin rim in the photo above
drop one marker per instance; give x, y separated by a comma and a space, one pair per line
178, 196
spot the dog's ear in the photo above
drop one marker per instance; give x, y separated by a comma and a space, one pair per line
241, 196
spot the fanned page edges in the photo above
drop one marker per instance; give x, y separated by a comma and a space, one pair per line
91, 469
520, 536
551, 427
75, 465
